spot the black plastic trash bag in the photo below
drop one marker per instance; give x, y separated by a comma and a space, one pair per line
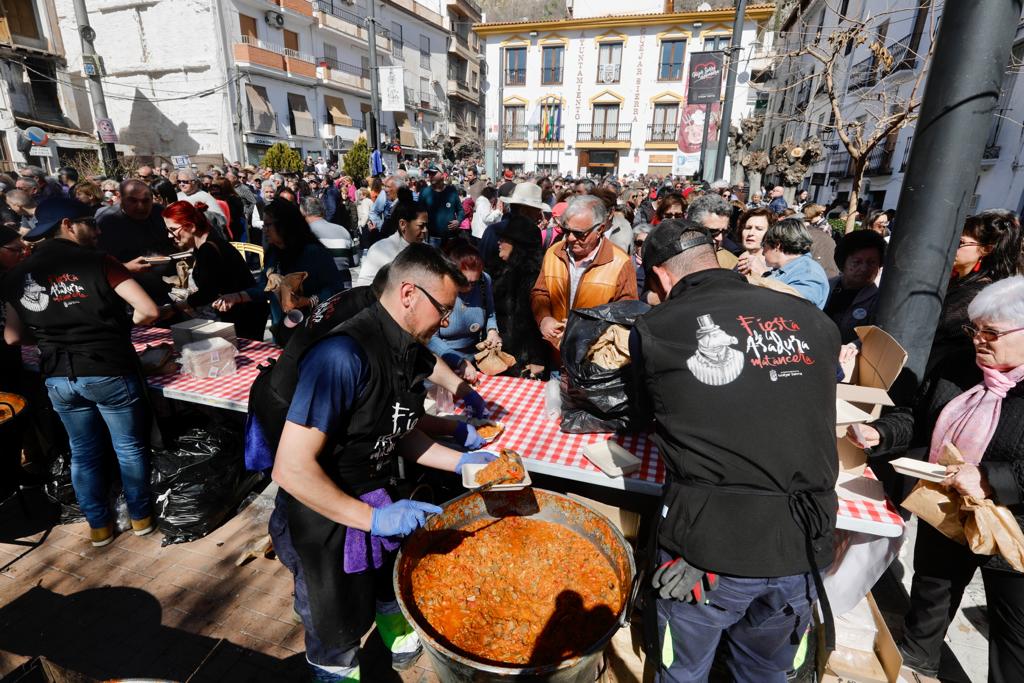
60, 490
199, 481
595, 399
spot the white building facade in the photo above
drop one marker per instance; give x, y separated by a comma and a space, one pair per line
606, 93
798, 107
225, 79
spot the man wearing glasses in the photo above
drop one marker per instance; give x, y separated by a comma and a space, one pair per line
713, 213
71, 298
190, 189
582, 271
338, 520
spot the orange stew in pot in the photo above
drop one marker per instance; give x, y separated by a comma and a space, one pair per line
517, 591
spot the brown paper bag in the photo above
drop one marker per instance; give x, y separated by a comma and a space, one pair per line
992, 529
493, 361
939, 507
287, 287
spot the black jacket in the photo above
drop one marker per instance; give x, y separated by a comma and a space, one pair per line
742, 386
1003, 463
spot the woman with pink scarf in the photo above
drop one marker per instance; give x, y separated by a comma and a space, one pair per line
980, 410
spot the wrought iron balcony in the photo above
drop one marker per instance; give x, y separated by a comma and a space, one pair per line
863, 74
604, 132
514, 133
902, 56
879, 162
662, 132
515, 76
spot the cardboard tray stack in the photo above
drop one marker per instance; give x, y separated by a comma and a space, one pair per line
865, 650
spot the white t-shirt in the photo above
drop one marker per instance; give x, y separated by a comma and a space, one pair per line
379, 254
483, 216
204, 197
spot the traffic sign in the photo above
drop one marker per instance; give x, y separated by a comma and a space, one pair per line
36, 135
180, 161
36, 151
106, 130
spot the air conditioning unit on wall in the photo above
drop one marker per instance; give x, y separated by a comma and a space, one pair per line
274, 19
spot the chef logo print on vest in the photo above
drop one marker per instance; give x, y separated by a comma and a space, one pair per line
403, 419
715, 362
776, 344
34, 297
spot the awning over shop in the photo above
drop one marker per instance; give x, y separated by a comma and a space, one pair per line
302, 120
336, 111
406, 133
261, 114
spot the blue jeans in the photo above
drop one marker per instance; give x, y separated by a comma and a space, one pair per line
84, 405
764, 619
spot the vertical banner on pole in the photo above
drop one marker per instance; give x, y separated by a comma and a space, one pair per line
392, 88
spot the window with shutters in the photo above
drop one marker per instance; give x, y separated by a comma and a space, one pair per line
291, 40
551, 69
397, 43
671, 66
515, 66
514, 122
609, 62
247, 25
22, 20
424, 52
605, 121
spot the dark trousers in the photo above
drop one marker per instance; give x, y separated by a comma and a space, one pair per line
942, 570
336, 608
762, 620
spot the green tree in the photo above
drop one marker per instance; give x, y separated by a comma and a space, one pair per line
281, 157
357, 160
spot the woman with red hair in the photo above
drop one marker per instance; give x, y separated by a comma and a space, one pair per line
218, 269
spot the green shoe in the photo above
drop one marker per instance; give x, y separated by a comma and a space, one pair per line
400, 638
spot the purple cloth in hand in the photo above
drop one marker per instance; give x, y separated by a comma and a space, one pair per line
362, 550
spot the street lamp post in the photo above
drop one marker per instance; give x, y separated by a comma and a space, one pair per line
730, 87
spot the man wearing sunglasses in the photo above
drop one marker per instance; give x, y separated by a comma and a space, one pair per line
190, 189
72, 300
581, 271
338, 520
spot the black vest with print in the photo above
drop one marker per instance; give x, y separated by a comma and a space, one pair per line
360, 456
82, 326
742, 381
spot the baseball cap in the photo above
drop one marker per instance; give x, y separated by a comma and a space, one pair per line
508, 174
51, 212
432, 169
665, 241
558, 209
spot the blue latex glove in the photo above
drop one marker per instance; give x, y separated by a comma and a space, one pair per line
465, 435
401, 518
476, 406
474, 458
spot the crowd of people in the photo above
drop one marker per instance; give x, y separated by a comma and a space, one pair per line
408, 276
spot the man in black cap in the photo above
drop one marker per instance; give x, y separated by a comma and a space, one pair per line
72, 299
752, 506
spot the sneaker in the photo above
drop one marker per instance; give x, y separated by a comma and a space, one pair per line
101, 536
400, 638
141, 527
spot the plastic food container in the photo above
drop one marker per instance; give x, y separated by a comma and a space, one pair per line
469, 473
211, 357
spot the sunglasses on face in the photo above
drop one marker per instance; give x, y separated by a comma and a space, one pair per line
444, 311
638, 243
185, 182
580, 234
674, 214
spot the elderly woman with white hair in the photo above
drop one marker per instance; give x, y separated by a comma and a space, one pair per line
980, 410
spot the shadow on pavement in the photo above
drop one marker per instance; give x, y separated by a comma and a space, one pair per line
114, 633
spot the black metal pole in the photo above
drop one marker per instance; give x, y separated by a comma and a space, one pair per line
971, 52
730, 88
704, 141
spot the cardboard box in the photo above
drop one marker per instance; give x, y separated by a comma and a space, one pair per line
876, 367
880, 665
198, 329
626, 521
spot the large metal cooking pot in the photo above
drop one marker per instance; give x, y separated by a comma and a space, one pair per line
456, 667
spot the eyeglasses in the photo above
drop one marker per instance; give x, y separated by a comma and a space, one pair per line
715, 233
674, 214
638, 243
185, 182
581, 234
968, 244
987, 335
444, 311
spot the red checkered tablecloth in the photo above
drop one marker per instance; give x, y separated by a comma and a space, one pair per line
230, 392
519, 404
